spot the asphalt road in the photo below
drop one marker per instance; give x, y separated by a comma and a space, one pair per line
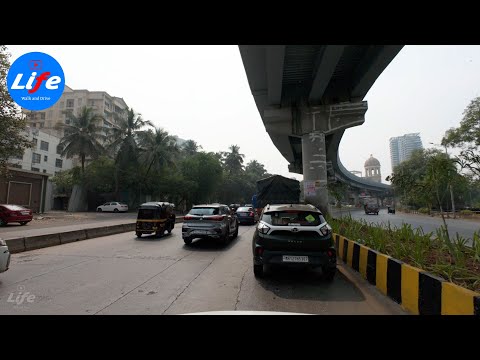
464, 228
121, 274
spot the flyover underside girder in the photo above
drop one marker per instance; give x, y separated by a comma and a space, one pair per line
292, 84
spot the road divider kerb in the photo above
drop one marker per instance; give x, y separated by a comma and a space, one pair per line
414, 289
21, 244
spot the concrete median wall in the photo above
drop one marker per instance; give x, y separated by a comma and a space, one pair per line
414, 289
72, 236
41, 241
21, 244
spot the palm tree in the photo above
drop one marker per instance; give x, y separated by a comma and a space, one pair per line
123, 144
82, 135
190, 147
233, 160
159, 149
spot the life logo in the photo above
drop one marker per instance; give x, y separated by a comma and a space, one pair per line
36, 81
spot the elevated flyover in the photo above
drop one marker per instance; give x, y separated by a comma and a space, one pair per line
307, 95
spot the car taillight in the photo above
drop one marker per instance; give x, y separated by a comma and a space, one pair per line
325, 230
262, 228
188, 217
330, 253
251, 213
259, 251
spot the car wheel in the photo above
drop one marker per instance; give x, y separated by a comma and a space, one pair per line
23, 223
170, 228
99, 210
235, 234
115, 210
329, 274
224, 239
3, 222
139, 235
258, 271
187, 241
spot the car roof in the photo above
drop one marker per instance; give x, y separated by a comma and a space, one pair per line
13, 206
208, 205
156, 203
285, 207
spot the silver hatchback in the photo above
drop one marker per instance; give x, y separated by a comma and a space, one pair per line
215, 221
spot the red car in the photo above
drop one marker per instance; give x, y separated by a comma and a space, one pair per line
14, 213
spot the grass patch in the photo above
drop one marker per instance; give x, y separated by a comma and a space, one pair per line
448, 257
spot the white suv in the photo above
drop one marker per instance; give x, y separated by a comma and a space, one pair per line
4, 256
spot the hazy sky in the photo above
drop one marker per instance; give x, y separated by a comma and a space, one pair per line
201, 92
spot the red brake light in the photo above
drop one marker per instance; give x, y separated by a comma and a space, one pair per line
188, 217
330, 253
251, 213
259, 250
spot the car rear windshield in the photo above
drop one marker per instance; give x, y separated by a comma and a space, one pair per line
244, 209
292, 217
204, 211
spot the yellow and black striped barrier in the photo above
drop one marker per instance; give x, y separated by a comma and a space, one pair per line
414, 289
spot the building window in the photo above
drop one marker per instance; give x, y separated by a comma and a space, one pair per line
17, 166
35, 142
45, 158
61, 105
18, 157
35, 169
44, 170
34, 125
36, 158
107, 105
42, 116
50, 114
70, 103
43, 145
42, 125
79, 102
58, 163
59, 150
91, 103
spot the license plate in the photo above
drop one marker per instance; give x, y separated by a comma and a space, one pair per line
297, 259
25, 213
200, 232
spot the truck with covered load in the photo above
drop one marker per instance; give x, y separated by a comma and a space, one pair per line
276, 189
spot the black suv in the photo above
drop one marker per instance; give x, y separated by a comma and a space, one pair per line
294, 234
214, 221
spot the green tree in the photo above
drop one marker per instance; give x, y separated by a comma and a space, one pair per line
83, 136
98, 175
190, 147
467, 137
158, 149
123, 145
13, 139
233, 160
255, 169
205, 170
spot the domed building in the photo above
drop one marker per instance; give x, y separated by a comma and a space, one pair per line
372, 169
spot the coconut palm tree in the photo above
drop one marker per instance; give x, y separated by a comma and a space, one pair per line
158, 149
233, 160
83, 136
123, 145
190, 147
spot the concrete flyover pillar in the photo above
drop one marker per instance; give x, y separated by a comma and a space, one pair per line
315, 123
315, 170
